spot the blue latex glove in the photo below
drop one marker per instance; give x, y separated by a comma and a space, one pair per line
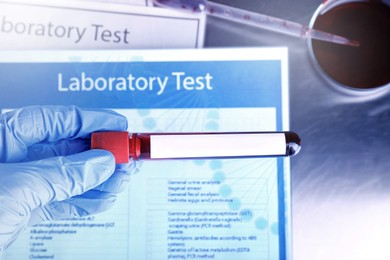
47, 171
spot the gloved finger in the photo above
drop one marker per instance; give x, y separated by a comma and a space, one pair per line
121, 178
11, 220
61, 148
89, 203
38, 183
29, 125
132, 167
116, 183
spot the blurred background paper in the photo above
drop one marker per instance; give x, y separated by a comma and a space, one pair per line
127, 2
95, 25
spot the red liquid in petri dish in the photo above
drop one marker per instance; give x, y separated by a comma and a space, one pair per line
363, 67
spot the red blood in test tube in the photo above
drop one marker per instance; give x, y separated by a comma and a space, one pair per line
118, 143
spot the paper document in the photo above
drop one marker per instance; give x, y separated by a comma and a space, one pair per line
172, 209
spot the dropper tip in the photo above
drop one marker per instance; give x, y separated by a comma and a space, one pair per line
353, 43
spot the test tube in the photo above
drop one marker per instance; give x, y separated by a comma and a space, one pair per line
158, 146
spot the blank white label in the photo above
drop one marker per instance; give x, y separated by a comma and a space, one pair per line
217, 145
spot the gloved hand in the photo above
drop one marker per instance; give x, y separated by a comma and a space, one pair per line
47, 171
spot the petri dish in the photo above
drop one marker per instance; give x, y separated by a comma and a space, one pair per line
363, 70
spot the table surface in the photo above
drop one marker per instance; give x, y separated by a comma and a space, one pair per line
341, 178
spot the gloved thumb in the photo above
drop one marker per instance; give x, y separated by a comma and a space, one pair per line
24, 187
34, 184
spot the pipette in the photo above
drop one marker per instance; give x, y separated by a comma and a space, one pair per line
255, 19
